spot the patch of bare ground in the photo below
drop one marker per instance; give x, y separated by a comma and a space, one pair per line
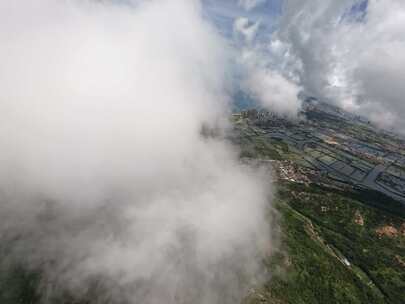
388, 231
358, 218
400, 261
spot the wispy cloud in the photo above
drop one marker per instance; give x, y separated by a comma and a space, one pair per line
250, 4
350, 53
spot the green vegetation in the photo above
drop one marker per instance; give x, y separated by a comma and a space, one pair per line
254, 144
341, 243
332, 251
17, 286
257, 147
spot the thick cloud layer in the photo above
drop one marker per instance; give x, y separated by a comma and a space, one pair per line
273, 91
263, 77
348, 52
108, 186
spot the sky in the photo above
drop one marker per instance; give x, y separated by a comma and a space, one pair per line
224, 13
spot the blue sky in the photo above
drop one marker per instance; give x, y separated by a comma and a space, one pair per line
224, 13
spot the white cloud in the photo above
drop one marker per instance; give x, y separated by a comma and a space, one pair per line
273, 91
262, 76
104, 174
350, 56
250, 4
247, 29
265, 84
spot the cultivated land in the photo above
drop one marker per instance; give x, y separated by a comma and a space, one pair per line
341, 199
